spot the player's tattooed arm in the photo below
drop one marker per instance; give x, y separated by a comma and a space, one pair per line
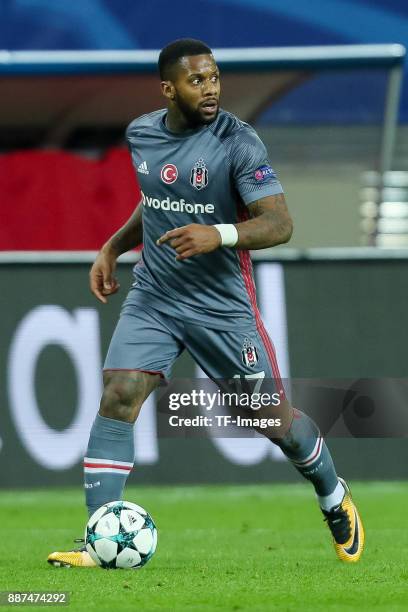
102, 279
270, 224
128, 236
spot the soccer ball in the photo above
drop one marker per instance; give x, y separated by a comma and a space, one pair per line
121, 534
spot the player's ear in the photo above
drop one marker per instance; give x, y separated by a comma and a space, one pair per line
168, 90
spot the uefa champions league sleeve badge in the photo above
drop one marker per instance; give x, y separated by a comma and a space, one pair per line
199, 175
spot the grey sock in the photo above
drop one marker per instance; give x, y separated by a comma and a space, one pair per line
108, 461
306, 449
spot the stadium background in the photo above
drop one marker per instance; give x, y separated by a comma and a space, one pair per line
340, 315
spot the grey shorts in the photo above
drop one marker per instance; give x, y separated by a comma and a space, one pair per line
148, 340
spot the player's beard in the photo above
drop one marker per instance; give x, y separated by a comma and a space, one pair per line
193, 115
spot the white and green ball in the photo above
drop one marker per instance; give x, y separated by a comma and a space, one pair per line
121, 534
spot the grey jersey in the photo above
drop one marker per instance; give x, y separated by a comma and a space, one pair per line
207, 175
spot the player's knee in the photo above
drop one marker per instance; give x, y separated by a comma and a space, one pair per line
279, 419
122, 396
300, 434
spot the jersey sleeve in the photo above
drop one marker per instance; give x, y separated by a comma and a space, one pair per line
130, 134
252, 174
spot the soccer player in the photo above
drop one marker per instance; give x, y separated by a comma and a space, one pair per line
209, 195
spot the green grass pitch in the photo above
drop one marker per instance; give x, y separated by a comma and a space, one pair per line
257, 547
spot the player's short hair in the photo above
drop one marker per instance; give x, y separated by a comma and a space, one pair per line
171, 54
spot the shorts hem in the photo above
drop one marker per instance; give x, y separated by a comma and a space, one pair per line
133, 370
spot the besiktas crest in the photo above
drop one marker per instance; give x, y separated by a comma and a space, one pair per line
249, 353
199, 175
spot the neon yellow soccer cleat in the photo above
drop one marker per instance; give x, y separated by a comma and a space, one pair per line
78, 557
346, 527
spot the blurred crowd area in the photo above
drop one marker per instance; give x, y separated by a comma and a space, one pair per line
323, 134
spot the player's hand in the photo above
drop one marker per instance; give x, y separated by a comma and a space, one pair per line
190, 240
101, 277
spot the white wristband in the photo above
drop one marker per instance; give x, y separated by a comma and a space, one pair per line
228, 233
